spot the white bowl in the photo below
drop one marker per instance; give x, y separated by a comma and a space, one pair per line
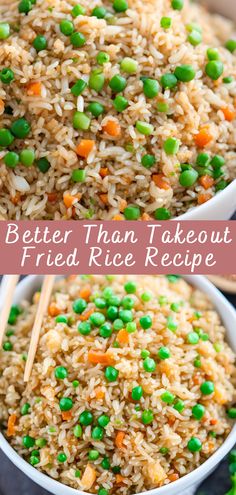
223, 205
25, 289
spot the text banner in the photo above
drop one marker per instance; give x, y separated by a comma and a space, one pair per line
117, 247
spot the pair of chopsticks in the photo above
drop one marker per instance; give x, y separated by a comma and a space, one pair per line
45, 295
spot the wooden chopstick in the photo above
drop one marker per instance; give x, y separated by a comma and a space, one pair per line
11, 282
42, 307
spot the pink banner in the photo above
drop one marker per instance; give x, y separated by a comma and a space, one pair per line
117, 247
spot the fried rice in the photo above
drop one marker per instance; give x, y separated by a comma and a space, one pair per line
119, 163
132, 386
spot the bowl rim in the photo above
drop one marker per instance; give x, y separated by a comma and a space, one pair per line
227, 312
200, 210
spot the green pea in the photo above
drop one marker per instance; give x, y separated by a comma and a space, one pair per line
6, 138
99, 12
78, 87
120, 103
103, 58
194, 444
185, 73
166, 22
188, 178
66, 27
168, 397
120, 5
111, 374
97, 80
137, 393
4, 30
27, 157
65, 404
148, 161
96, 109
198, 411
144, 128
207, 388
118, 83
147, 417
78, 10
145, 322
129, 65
171, 146
61, 372
179, 406
169, 81
81, 121
93, 455
25, 409
78, 175
24, 6
162, 214
164, 353
84, 328
177, 4
77, 39
214, 69
149, 365
213, 54
7, 75
40, 43
79, 305
132, 212
11, 159
231, 45
150, 88
103, 420
86, 418
195, 38
7, 346
105, 463
28, 441
20, 128
62, 457
97, 433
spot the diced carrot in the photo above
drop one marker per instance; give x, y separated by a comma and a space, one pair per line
15, 199
229, 114
88, 478
2, 106
122, 205
119, 439
159, 180
123, 336
203, 138
174, 477
34, 88
196, 380
86, 315
85, 292
11, 425
85, 147
206, 181
53, 309
104, 198
119, 479
213, 422
52, 197
66, 415
118, 217
68, 200
103, 172
112, 128
99, 393
104, 358
203, 198
146, 217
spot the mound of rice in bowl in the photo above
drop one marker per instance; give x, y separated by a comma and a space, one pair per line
131, 388
114, 110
